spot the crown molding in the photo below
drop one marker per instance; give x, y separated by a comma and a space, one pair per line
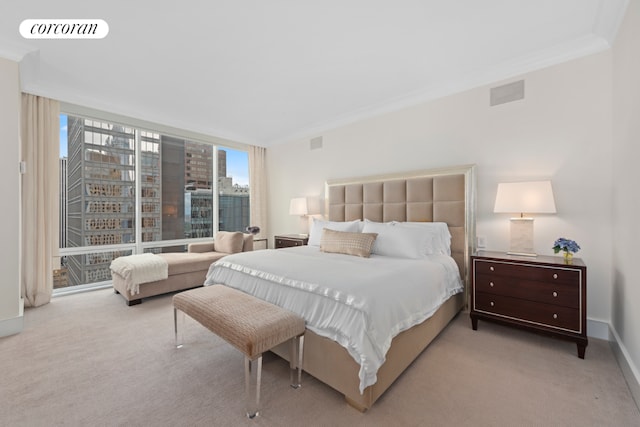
609, 18
544, 58
14, 51
75, 103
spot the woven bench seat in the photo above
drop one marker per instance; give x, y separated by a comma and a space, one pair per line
249, 324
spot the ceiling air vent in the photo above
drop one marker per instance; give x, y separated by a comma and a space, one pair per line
507, 93
316, 143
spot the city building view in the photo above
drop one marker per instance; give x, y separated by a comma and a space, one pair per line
177, 200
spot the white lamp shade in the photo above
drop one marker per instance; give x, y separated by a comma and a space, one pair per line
525, 197
298, 206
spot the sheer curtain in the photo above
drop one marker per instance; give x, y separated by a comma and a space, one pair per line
258, 188
40, 133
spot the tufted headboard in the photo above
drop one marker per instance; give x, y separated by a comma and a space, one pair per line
437, 195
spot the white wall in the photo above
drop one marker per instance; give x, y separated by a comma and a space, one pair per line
626, 196
561, 131
10, 304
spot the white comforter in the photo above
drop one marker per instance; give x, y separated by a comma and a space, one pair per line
361, 303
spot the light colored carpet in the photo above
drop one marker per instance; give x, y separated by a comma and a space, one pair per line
89, 360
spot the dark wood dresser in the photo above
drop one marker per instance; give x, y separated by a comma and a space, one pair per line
543, 294
289, 240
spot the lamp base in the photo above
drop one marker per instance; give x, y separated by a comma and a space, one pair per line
522, 237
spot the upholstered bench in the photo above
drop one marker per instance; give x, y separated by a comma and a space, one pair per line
251, 325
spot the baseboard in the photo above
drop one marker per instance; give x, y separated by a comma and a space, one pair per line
598, 329
14, 325
629, 370
11, 326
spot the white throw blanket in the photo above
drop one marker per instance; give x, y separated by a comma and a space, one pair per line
142, 268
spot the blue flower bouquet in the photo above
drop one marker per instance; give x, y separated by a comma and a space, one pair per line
567, 245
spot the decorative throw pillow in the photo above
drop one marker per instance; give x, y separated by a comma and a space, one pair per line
319, 224
229, 242
348, 243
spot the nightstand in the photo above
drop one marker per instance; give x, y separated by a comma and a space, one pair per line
289, 240
260, 244
542, 294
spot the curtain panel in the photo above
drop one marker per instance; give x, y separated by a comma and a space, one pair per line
40, 139
258, 189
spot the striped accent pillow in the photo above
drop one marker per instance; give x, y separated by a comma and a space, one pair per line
348, 243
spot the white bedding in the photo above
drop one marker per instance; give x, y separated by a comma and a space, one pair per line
361, 303
140, 268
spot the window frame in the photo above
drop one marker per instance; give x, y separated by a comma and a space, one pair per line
139, 126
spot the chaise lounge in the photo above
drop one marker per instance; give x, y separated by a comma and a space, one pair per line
186, 270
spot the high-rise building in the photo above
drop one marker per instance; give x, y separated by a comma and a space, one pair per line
233, 212
222, 163
101, 193
198, 168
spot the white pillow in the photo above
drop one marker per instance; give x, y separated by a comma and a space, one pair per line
315, 233
398, 241
441, 240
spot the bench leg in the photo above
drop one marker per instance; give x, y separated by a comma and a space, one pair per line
178, 327
295, 361
252, 379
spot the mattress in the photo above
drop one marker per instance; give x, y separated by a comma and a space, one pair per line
361, 303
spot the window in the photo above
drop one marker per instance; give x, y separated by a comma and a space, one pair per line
127, 190
233, 190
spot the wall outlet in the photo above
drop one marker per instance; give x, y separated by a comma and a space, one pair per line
481, 242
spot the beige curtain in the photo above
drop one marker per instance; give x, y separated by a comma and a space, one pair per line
40, 133
258, 189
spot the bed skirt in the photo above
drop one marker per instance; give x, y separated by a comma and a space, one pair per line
330, 363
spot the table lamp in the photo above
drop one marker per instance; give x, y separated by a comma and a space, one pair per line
298, 206
524, 198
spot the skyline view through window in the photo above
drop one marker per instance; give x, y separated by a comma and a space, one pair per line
179, 198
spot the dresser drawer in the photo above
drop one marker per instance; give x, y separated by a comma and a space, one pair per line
287, 243
528, 311
531, 272
556, 293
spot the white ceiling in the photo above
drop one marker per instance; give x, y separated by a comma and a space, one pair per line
265, 71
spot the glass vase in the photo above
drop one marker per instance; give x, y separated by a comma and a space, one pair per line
568, 257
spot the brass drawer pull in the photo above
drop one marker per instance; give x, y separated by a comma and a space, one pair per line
491, 268
555, 294
492, 303
555, 276
491, 284
555, 316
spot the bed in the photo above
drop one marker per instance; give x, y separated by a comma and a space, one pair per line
362, 364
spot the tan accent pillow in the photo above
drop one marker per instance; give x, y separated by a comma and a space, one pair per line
229, 242
348, 243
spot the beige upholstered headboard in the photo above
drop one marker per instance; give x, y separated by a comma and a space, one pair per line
438, 195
